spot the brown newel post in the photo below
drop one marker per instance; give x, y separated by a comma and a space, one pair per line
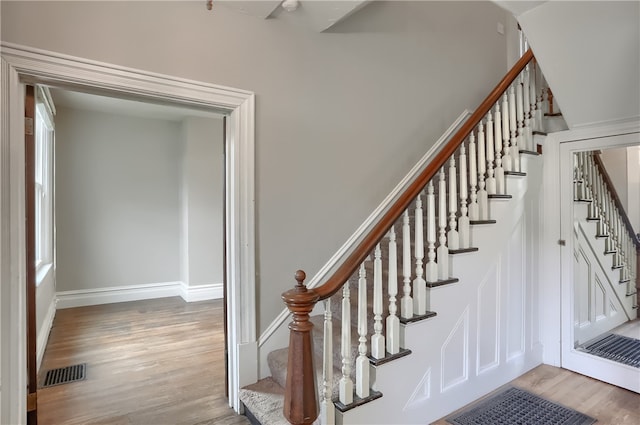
300, 402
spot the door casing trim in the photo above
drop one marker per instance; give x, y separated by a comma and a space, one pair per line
22, 64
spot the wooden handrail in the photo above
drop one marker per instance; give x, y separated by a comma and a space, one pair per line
349, 266
300, 402
616, 198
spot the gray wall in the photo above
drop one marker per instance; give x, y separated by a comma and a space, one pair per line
117, 200
341, 116
623, 166
201, 201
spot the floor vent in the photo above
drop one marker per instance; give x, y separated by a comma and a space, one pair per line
65, 375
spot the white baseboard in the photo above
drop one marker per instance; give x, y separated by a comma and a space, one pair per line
43, 332
117, 294
209, 291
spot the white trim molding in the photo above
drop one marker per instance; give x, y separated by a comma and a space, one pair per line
22, 64
209, 291
43, 332
118, 294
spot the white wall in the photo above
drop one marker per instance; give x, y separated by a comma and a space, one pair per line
623, 166
45, 310
633, 186
117, 202
201, 201
615, 162
341, 116
589, 52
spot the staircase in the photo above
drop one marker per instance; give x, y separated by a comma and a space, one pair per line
605, 252
440, 295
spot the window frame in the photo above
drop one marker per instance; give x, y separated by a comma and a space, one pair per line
44, 164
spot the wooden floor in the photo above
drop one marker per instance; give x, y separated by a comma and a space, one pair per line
148, 362
609, 404
160, 362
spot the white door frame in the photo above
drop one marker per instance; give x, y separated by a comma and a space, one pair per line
22, 65
563, 145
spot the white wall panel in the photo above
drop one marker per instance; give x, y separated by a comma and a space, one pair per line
488, 322
515, 290
455, 354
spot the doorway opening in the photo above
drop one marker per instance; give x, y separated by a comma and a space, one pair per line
139, 217
22, 65
598, 296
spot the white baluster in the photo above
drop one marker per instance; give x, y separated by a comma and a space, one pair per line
452, 236
431, 270
576, 178
595, 212
540, 108
507, 164
593, 206
463, 221
623, 250
406, 304
497, 134
442, 251
603, 211
393, 324
609, 221
483, 202
491, 181
377, 340
345, 385
533, 99
521, 137
474, 212
362, 362
526, 104
327, 410
513, 127
419, 284
618, 233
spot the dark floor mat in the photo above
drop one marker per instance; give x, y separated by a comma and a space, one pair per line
618, 348
518, 407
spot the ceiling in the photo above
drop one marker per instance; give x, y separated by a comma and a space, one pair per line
589, 53
318, 15
118, 106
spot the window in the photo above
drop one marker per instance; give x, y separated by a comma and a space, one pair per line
522, 42
44, 185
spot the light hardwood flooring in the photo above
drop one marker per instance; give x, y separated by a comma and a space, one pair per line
148, 362
161, 362
609, 404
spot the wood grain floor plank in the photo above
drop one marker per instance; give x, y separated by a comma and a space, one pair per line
148, 362
609, 404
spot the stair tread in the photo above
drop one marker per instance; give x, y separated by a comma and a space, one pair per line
527, 152
475, 222
462, 250
265, 400
417, 318
442, 282
357, 401
500, 196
